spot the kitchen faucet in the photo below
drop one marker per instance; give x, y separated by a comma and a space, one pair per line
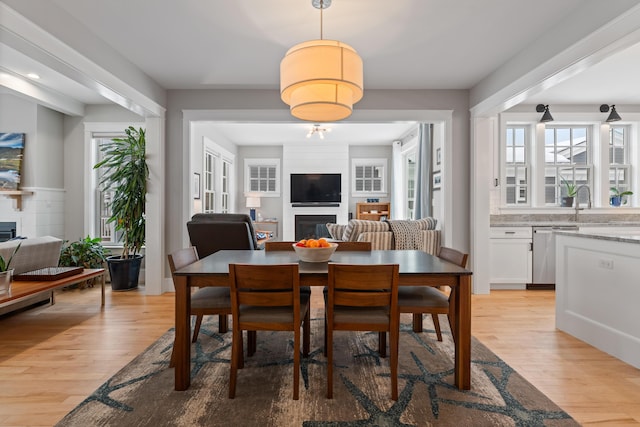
578, 208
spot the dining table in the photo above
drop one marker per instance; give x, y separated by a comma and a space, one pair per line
417, 268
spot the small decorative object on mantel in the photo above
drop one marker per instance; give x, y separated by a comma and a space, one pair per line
618, 197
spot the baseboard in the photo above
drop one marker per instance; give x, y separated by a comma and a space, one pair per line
507, 286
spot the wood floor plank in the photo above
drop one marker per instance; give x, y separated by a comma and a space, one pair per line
52, 357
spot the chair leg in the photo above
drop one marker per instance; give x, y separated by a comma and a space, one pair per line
394, 338
236, 358
196, 329
172, 361
252, 338
324, 350
417, 322
296, 363
223, 323
382, 344
329, 349
436, 325
306, 334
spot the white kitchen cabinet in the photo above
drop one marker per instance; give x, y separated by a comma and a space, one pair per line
511, 257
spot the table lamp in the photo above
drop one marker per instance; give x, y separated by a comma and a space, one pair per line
252, 203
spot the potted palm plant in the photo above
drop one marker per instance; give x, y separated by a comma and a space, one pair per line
125, 174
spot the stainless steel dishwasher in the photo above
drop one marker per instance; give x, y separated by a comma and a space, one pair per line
544, 256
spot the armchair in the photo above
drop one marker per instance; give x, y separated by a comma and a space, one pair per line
210, 233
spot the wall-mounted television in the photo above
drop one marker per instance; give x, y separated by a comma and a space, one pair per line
316, 188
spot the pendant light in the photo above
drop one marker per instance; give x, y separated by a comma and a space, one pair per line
321, 79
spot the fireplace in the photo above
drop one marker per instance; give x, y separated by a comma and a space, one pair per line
7, 231
312, 226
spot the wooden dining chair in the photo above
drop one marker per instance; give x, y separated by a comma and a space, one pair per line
363, 298
424, 299
266, 298
204, 301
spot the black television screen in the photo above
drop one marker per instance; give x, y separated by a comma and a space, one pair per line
316, 188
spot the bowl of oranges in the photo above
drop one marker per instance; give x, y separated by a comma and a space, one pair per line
314, 250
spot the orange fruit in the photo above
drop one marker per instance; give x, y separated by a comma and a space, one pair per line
323, 243
312, 243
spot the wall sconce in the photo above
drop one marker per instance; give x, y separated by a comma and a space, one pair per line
613, 116
252, 204
546, 117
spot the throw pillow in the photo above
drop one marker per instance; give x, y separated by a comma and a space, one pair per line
428, 223
336, 230
357, 226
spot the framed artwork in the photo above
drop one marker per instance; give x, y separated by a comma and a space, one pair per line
437, 156
436, 180
11, 152
196, 185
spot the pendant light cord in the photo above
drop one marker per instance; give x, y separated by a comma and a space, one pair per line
321, 9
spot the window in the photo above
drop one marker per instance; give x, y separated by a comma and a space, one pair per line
102, 210
619, 163
209, 182
517, 165
368, 176
567, 151
262, 176
226, 177
410, 168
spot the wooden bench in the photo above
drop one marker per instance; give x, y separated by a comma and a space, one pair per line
22, 290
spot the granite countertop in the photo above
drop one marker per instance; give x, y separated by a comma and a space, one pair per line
549, 220
617, 237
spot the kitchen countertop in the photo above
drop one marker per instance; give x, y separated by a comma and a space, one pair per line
549, 220
628, 237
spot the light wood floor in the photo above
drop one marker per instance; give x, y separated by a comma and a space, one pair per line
52, 357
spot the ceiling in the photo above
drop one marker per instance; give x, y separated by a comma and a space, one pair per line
404, 44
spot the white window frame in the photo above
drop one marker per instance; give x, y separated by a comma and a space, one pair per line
526, 165
209, 180
379, 163
262, 163
92, 132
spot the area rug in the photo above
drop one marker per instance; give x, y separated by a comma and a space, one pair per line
142, 393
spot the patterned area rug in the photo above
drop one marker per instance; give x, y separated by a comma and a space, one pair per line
142, 392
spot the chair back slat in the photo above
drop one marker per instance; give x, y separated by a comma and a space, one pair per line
362, 277
362, 299
182, 257
453, 256
265, 299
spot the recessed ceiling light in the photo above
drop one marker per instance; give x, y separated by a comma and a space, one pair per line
33, 76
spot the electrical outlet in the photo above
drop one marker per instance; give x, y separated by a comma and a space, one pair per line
606, 263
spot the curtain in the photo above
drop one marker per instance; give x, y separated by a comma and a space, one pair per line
423, 171
397, 197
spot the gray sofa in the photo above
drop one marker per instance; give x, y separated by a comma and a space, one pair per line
35, 253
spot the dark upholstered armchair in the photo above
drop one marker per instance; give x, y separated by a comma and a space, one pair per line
210, 233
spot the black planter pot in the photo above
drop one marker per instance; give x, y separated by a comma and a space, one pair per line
567, 202
124, 272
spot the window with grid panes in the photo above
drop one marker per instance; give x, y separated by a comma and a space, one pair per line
567, 151
262, 176
209, 192
226, 172
517, 188
619, 164
368, 176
